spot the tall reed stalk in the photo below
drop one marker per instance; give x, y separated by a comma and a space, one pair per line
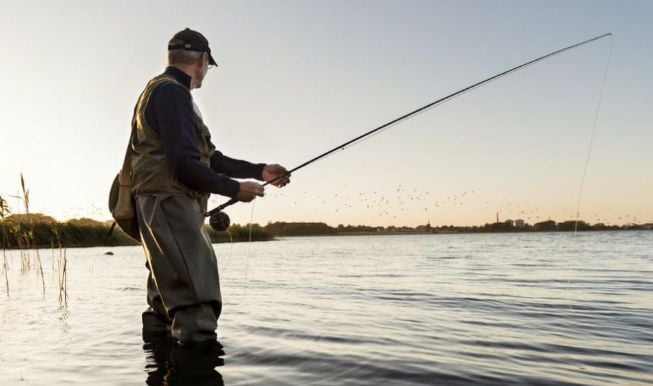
4, 212
62, 265
30, 240
63, 277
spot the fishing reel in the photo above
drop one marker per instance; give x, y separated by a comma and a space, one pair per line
219, 221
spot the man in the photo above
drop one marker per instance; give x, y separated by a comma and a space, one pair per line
174, 169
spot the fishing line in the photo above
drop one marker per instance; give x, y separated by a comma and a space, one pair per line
589, 150
231, 250
585, 168
218, 217
249, 250
580, 193
251, 221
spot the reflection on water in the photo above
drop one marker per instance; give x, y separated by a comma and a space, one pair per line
170, 364
477, 309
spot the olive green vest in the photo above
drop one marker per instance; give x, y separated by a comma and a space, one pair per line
150, 169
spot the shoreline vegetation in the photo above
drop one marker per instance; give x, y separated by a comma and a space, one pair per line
46, 232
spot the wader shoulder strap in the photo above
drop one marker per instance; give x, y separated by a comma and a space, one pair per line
125, 172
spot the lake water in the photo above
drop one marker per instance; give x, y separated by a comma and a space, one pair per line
481, 309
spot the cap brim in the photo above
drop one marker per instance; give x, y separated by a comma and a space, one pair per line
212, 61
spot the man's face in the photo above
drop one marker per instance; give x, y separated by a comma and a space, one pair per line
201, 70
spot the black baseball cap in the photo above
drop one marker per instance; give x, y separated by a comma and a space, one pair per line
192, 41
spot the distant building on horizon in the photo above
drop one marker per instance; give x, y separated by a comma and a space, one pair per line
425, 228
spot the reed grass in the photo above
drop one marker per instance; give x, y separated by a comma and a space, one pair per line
62, 264
20, 234
4, 212
73, 233
30, 241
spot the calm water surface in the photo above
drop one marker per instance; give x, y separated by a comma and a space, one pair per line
502, 309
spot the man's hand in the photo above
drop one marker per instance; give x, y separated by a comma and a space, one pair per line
249, 190
274, 171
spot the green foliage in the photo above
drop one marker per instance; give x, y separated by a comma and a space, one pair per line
238, 232
300, 229
567, 226
316, 229
43, 231
549, 225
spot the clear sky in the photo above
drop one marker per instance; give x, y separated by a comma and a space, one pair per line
299, 77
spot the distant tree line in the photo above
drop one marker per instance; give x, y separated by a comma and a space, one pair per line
41, 231
544, 226
318, 228
236, 232
299, 229
38, 230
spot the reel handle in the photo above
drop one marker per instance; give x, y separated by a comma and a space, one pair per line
235, 200
218, 220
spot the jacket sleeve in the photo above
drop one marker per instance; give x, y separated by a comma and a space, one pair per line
235, 167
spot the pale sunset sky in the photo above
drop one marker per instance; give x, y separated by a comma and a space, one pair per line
297, 78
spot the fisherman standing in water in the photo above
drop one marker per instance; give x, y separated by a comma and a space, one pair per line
175, 167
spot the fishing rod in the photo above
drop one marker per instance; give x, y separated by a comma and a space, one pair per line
220, 220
